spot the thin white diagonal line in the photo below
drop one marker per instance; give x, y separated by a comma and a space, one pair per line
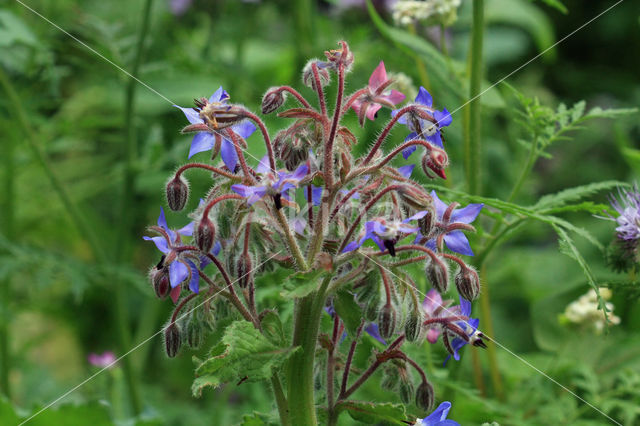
499, 344
537, 56
52, 403
98, 53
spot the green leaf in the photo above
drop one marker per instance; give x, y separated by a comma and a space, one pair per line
301, 284
448, 72
523, 14
348, 311
370, 413
7, 413
93, 413
574, 194
556, 4
272, 328
568, 247
243, 354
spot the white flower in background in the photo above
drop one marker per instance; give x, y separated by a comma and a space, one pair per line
585, 311
436, 11
404, 84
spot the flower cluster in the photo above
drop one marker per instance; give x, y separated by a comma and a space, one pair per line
309, 206
406, 12
585, 311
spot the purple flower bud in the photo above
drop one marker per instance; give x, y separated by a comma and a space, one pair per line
435, 160
177, 193
272, 100
172, 340
387, 320
468, 283
205, 234
425, 396
437, 271
413, 326
244, 270
160, 281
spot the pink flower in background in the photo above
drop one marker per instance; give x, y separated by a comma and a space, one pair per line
106, 359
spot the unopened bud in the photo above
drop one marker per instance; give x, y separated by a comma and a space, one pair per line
308, 79
369, 287
435, 160
413, 326
390, 377
194, 334
405, 389
426, 223
172, 340
387, 319
468, 283
160, 282
425, 396
343, 56
177, 192
272, 100
437, 271
244, 270
415, 197
371, 312
205, 234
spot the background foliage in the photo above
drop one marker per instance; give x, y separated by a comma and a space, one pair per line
64, 261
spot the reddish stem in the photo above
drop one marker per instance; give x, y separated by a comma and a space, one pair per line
295, 93
180, 306
219, 199
206, 167
328, 150
265, 135
241, 159
319, 89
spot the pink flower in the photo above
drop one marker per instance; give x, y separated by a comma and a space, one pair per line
105, 360
375, 96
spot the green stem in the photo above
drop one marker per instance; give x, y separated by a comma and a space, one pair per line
8, 230
130, 150
531, 159
300, 383
485, 313
281, 400
473, 140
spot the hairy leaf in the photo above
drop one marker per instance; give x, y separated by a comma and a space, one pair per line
370, 413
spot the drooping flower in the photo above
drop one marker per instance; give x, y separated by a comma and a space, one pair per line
271, 184
377, 95
422, 128
180, 266
438, 417
385, 233
205, 139
449, 224
470, 329
103, 360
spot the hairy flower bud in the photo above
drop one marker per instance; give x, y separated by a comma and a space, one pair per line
371, 311
413, 326
177, 192
244, 270
387, 320
435, 160
415, 197
194, 333
341, 56
272, 100
427, 223
390, 377
160, 281
468, 283
205, 234
405, 387
172, 340
369, 287
425, 396
308, 79
437, 271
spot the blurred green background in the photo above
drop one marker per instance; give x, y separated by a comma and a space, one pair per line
85, 153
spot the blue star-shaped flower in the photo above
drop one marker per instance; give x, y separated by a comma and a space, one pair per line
380, 231
438, 417
205, 140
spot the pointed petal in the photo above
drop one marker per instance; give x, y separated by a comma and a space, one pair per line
435, 139
432, 335
416, 216
465, 307
443, 117
372, 111
351, 246
160, 243
244, 129
229, 154
467, 214
178, 272
243, 190
186, 230
216, 249
438, 414
457, 242
162, 220
440, 206
300, 172
175, 294
316, 195
432, 301
424, 97
202, 141
263, 165
395, 97
378, 76
406, 170
373, 331
194, 282
192, 115
219, 95
408, 151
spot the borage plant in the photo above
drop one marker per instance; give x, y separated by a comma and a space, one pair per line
341, 228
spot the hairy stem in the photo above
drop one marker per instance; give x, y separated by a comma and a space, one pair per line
473, 140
